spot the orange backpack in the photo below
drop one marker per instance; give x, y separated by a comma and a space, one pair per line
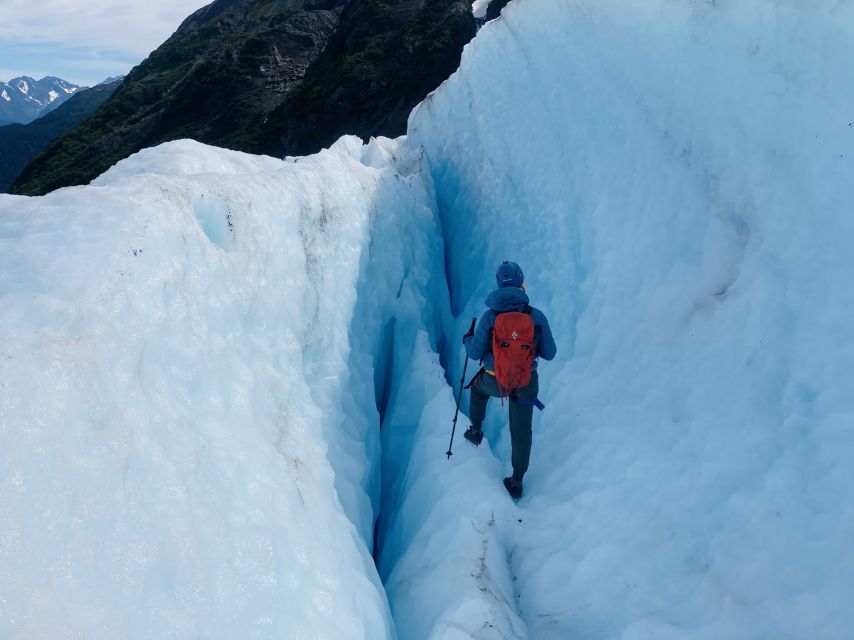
513, 349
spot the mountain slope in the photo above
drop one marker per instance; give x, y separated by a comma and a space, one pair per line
24, 99
382, 60
225, 68
20, 143
230, 72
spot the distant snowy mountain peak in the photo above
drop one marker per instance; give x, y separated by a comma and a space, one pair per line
25, 99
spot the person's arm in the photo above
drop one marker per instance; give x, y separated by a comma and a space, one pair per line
480, 343
547, 349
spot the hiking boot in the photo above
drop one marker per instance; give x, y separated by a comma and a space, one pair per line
513, 488
474, 436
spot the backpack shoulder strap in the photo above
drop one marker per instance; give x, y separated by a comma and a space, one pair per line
527, 310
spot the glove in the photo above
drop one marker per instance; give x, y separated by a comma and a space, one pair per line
470, 331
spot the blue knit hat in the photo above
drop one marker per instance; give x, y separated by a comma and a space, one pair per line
509, 274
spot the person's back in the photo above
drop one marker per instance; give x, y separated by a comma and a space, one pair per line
509, 297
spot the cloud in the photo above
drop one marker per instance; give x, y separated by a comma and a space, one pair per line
84, 41
128, 26
83, 66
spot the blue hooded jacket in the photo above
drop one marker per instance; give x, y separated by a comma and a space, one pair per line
479, 346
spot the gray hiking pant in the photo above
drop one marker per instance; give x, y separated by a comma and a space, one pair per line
521, 415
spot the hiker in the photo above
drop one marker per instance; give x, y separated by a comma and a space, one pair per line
508, 345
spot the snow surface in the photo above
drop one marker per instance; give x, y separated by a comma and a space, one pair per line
219, 369
479, 8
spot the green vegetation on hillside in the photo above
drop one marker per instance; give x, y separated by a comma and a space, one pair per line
268, 76
20, 143
214, 80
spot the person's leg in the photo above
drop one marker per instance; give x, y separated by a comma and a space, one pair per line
484, 386
477, 407
521, 417
480, 392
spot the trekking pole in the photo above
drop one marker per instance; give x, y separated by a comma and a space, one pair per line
460, 394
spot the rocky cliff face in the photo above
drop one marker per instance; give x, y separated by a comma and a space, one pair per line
269, 76
382, 60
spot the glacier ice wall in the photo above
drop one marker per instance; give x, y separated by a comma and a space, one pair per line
189, 441
676, 180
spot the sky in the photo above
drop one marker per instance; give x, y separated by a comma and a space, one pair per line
83, 41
